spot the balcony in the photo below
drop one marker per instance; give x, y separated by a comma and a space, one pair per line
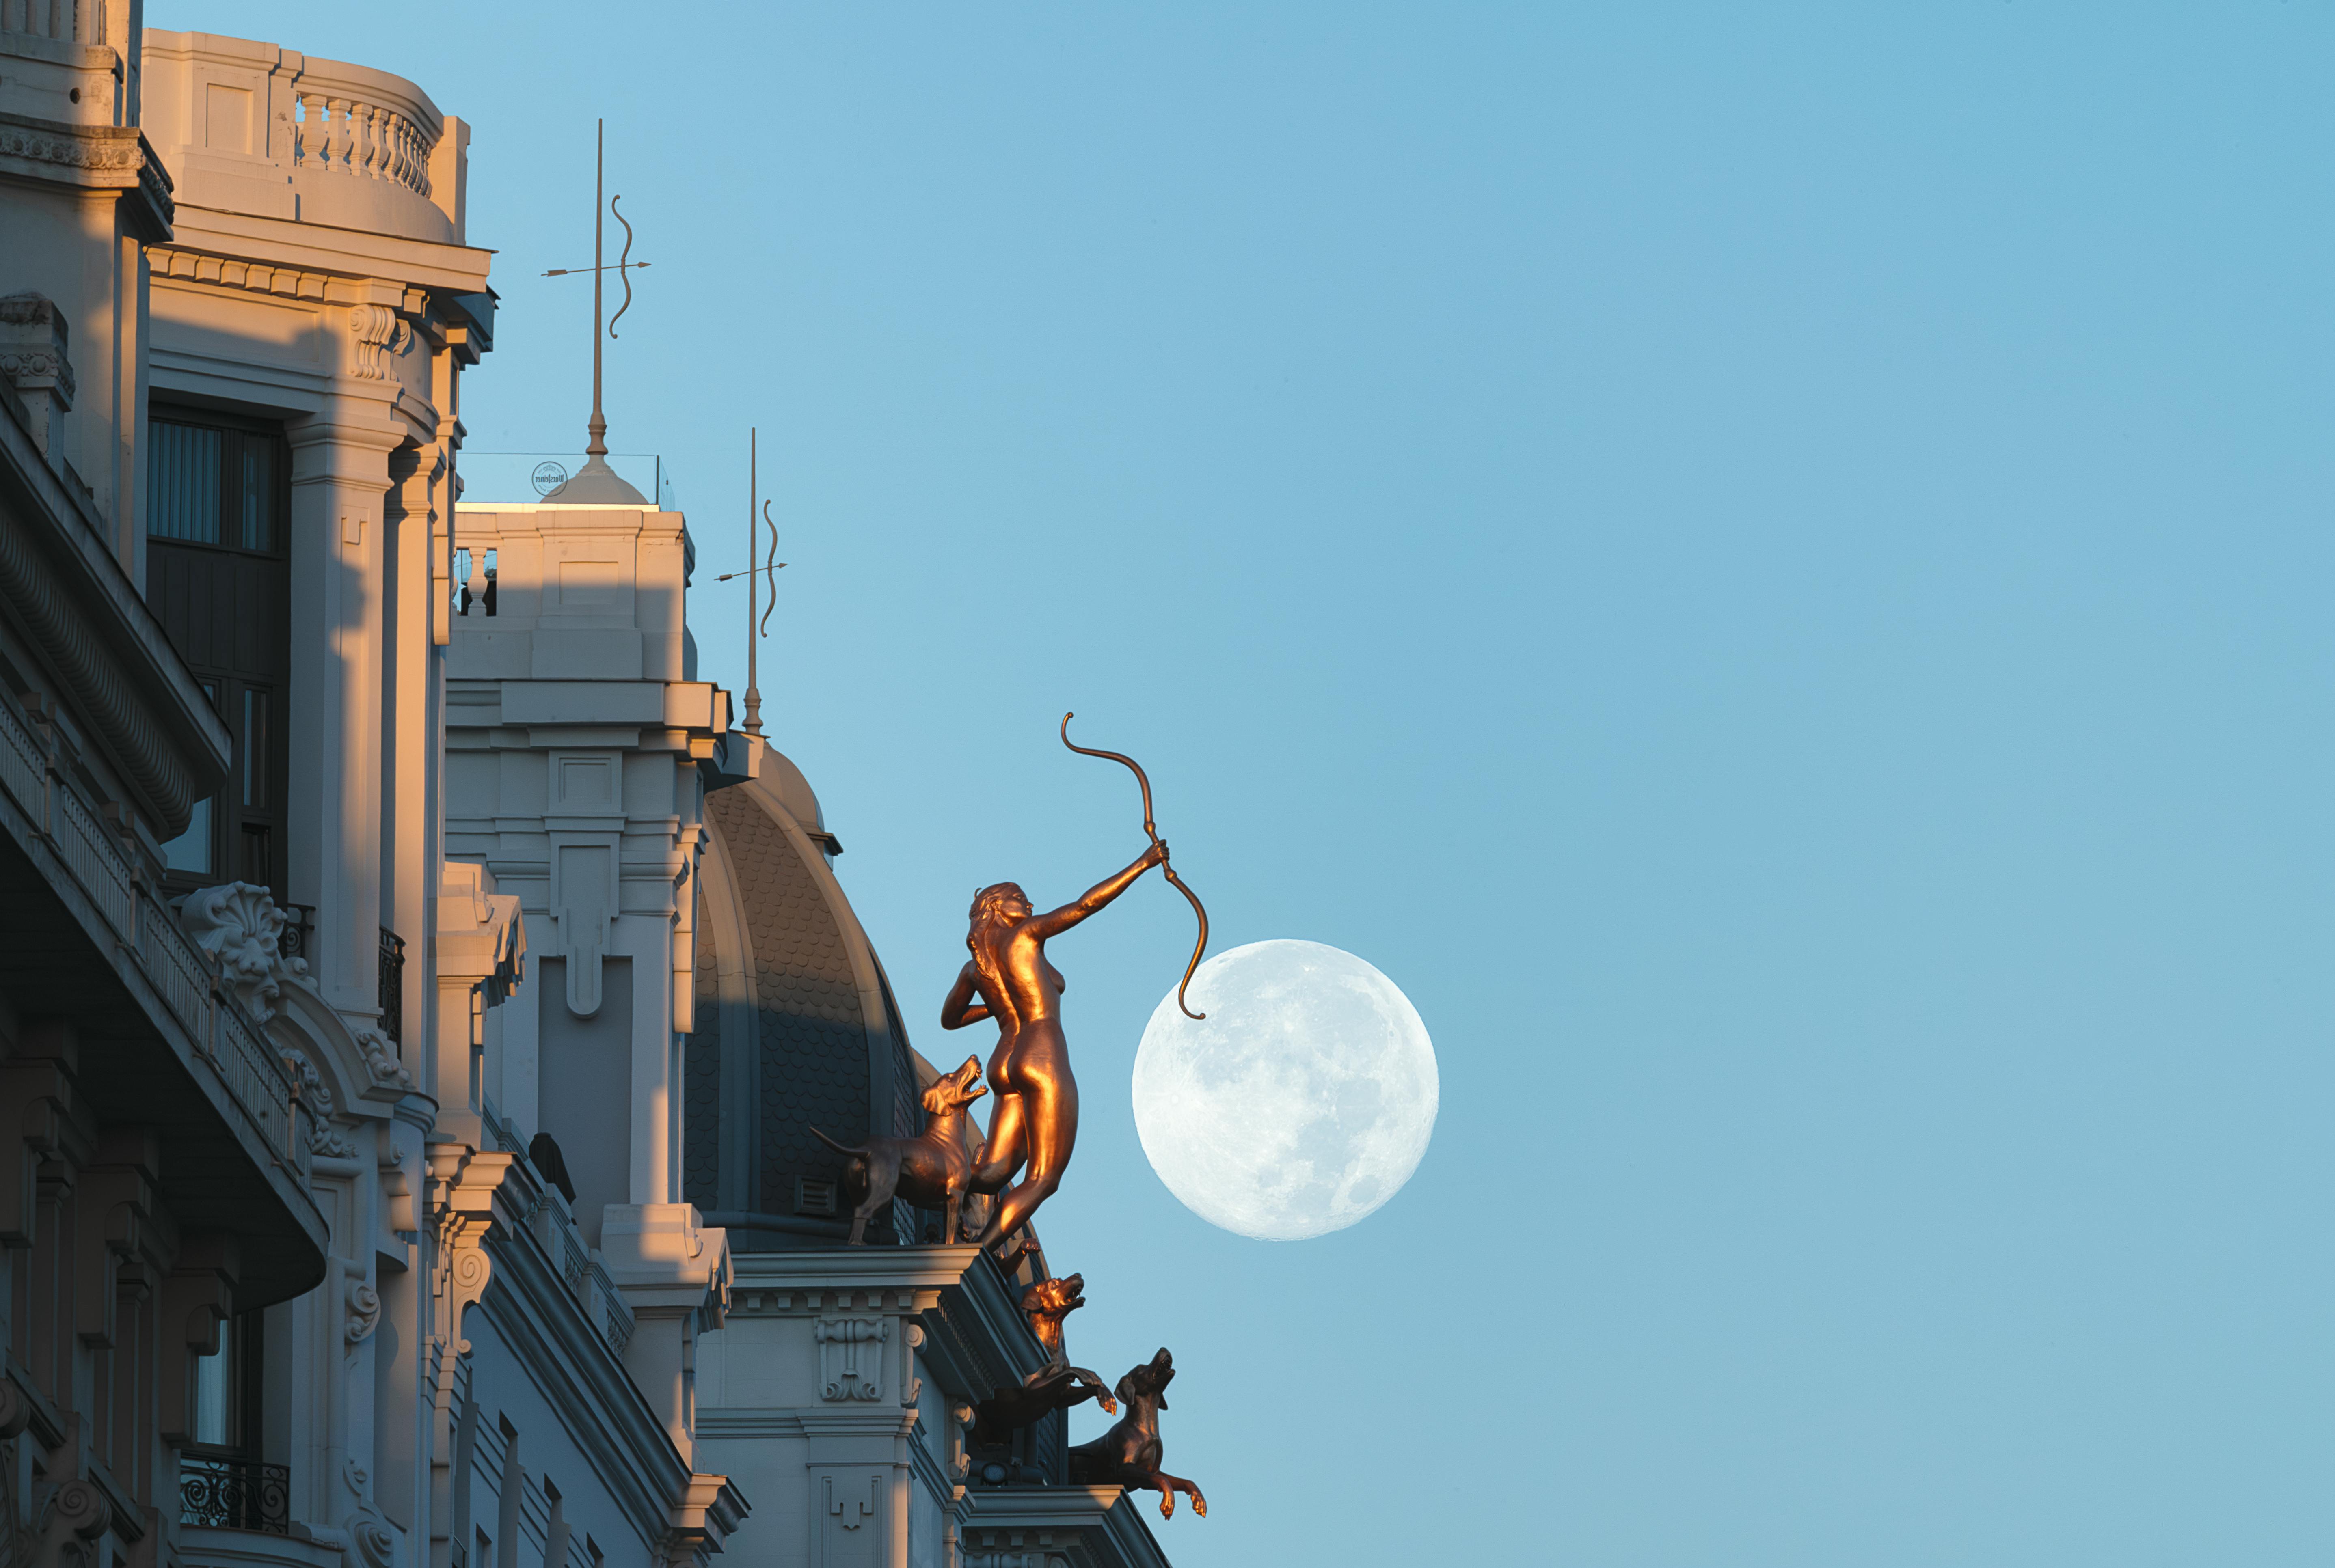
252, 129
228, 1491
100, 727
391, 986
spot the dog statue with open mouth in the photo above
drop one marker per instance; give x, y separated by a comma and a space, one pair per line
929, 1170
1128, 1455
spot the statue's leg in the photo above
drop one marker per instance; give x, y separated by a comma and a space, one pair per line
1169, 1486
1052, 1116
1003, 1150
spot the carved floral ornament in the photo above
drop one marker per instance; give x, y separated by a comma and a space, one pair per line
103, 149
239, 929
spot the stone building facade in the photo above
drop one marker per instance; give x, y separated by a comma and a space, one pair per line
417, 999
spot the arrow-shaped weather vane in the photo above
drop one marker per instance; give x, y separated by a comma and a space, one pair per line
756, 577
624, 268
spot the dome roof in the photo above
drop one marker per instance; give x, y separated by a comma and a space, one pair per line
596, 484
796, 1024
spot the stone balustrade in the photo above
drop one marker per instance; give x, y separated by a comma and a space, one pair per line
63, 21
366, 125
253, 128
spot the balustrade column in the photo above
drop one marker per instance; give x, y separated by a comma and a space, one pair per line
341, 133
308, 132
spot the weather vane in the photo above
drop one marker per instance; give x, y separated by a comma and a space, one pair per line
755, 575
598, 445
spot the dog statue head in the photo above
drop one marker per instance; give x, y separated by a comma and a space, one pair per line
957, 1090
1048, 1302
1150, 1380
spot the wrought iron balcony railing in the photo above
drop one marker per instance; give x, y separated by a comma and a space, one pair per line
393, 985
299, 930
229, 1491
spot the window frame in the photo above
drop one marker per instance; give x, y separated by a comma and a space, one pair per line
233, 821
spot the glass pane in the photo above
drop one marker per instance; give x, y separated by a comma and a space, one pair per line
258, 864
214, 1381
192, 850
255, 748
183, 483
258, 493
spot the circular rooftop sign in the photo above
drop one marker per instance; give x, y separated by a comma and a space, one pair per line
548, 477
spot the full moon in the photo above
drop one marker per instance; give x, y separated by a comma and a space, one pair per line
1301, 1104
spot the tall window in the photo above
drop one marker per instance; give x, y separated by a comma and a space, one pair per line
227, 1386
217, 513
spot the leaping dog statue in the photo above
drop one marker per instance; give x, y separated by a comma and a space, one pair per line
1057, 1385
1128, 1454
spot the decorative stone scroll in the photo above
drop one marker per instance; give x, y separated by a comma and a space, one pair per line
850, 1357
377, 336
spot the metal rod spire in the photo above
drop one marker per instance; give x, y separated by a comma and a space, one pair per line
597, 446
753, 543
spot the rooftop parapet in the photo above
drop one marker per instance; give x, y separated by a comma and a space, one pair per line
71, 62
249, 127
489, 479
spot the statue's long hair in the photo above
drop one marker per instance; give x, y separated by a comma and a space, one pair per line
985, 916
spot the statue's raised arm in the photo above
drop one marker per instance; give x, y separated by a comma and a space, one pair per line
1054, 921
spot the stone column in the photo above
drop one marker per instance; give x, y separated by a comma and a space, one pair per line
411, 761
340, 474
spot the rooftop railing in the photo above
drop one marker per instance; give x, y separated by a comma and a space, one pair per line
586, 1276
526, 477
349, 130
64, 20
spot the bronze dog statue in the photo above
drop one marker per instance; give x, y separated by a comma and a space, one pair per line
929, 1170
1128, 1454
1047, 1303
1057, 1385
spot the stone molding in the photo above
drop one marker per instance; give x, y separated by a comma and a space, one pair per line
462, 1184
1098, 1525
94, 148
709, 1511
201, 267
34, 363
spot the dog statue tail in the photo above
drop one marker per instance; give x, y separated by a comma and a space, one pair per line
858, 1153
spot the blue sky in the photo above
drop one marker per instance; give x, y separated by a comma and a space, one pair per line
1769, 565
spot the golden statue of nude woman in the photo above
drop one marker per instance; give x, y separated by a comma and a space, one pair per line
1035, 1118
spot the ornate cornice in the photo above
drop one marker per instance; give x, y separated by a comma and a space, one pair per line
174, 261
106, 157
101, 149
